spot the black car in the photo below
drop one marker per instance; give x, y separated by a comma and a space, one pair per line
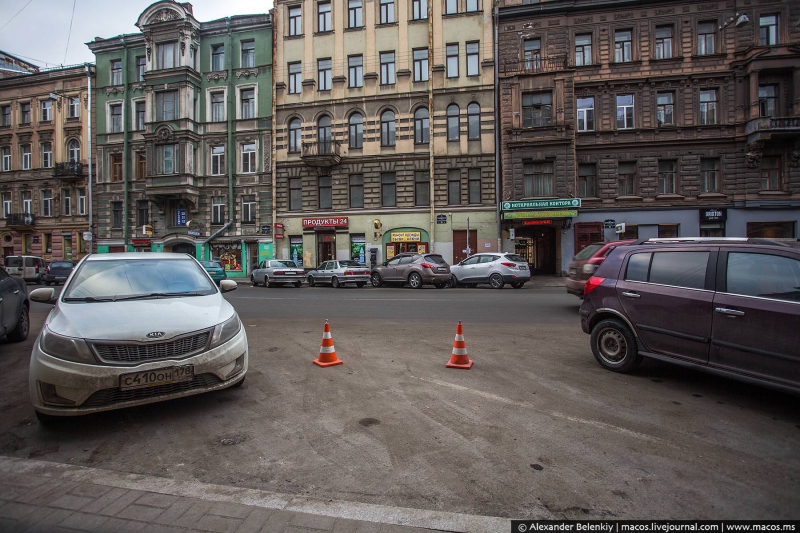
58, 272
14, 306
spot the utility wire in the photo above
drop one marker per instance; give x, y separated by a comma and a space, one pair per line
70, 30
15, 15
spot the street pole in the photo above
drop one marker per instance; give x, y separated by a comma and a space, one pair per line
89, 118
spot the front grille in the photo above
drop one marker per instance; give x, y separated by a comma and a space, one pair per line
112, 396
136, 352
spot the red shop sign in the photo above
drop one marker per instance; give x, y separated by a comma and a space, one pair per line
336, 222
535, 222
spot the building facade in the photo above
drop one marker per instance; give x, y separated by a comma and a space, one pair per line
44, 151
184, 137
673, 118
14, 66
384, 129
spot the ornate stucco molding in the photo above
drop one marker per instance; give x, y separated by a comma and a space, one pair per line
216, 76
246, 72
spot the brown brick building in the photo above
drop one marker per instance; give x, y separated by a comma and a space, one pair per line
674, 118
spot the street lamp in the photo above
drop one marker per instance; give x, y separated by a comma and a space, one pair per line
741, 20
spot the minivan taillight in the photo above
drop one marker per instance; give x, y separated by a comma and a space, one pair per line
591, 284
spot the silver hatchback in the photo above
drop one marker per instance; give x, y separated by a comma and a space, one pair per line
494, 268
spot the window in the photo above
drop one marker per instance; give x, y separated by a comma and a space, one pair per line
295, 194
116, 167
5, 151
421, 126
217, 160
767, 99
536, 109
419, 9
706, 38
453, 126
450, 7
625, 111
666, 177
249, 209
167, 105
586, 114
141, 67
472, 6
708, 107
474, 121
142, 212
168, 159
587, 181
27, 203
248, 54
667, 231
66, 202
248, 158
387, 68
295, 21
387, 11
74, 151
6, 204
663, 42
5, 115
25, 113
623, 46
26, 156
141, 165
116, 118
771, 173
627, 179
356, 68
324, 17
583, 50
325, 192
677, 269
532, 55
474, 185
47, 155
217, 210
74, 107
81, 201
356, 190
768, 30
767, 276
217, 57
324, 135
248, 97
709, 169
387, 128
774, 229
116, 214
295, 135
47, 110
356, 131
355, 13
454, 186
422, 187
421, 64
294, 78
388, 189
116, 72
665, 109
324, 68
537, 179
473, 50
140, 115
167, 55
47, 203
452, 60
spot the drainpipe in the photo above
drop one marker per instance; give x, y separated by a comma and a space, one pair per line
431, 169
273, 150
214, 235
89, 118
231, 111
125, 144
498, 160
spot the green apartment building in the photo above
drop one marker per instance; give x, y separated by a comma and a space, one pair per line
183, 137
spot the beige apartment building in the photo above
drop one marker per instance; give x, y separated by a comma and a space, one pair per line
384, 129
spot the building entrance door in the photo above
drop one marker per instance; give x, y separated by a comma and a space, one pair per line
326, 247
538, 247
183, 248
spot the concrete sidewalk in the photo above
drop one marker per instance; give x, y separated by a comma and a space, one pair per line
38, 496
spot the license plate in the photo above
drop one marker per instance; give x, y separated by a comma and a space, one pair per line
523, 267
441, 269
153, 378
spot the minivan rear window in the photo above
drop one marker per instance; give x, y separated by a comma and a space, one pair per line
588, 252
438, 259
13, 261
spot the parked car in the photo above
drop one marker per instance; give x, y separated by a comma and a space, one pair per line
134, 328
58, 272
726, 306
339, 273
586, 262
277, 272
494, 268
215, 270
415, 269
29, 267
14, 307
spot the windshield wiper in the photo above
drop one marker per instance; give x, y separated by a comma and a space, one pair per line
89, 299
157, 295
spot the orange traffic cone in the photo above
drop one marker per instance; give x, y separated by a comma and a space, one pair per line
460, 359
327, 353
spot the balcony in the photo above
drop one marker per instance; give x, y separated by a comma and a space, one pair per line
321, 154
534, 66
765, 128
173, 187
20, 220
68, 170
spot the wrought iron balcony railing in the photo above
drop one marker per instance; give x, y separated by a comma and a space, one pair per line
322, 153
72, 168
534, 65
20, 219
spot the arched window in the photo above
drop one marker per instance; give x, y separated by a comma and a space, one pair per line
356, 131
452, 123
324, 134
421, 126
474, 121
74, 151
387, 128
295, 135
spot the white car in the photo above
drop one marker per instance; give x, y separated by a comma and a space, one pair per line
494, 268
134, 328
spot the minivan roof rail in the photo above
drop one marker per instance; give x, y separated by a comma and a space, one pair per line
710, 240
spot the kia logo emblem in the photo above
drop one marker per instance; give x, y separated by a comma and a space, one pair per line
155, 334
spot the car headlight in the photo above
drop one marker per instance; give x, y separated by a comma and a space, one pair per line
67, 348
226, 331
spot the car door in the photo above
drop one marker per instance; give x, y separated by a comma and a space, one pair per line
325, 272
10, 296
668, 296
757, 315
404, 267
466, 269
484, 267
389, 272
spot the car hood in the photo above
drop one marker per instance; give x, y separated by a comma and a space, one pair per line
133, 320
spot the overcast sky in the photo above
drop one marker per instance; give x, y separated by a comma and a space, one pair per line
39, 33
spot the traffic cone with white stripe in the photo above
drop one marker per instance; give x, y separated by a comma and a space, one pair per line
327, 353
459, 359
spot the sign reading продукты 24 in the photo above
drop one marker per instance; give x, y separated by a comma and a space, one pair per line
542, 204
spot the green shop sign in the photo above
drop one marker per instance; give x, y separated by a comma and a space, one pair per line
540, 214
542, 204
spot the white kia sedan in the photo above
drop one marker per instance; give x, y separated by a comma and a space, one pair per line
134, 328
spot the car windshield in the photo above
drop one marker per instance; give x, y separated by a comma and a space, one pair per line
211, 264
121, 278
61, 264
588, 252
349, 264
288, 264
438, 259
516, 258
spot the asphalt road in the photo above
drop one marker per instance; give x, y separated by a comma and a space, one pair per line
536, 429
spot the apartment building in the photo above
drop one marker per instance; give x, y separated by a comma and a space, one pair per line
44, 175
184, 137
384, 129
674, 118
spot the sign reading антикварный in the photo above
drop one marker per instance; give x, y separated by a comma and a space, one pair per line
542, 204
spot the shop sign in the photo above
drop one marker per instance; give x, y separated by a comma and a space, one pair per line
147, 230
278, 235
140, 242
35, 239
279, 225
193, 233
227, 245
539, 214
180, 217
358, 249
296, 249
406, 236
713, 215
87, 236
336, 222
542, 204
265, 229
543, 222
609, 223
193, 225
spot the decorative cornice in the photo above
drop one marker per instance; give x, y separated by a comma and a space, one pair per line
114, 90
138, 87
164, 15
216, 76
246, 72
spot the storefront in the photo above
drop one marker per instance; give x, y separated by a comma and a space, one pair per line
712, 222
405, 240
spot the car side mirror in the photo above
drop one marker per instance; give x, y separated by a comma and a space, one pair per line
384, 263
225, 285
43, 295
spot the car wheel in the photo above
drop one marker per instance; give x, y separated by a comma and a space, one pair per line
335, 282
376, 279
518, 284
311, 281
415, 280
452, 283
20, 332
496, 281
252, 281
48, 420
360, 284
614, 346
298, 284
